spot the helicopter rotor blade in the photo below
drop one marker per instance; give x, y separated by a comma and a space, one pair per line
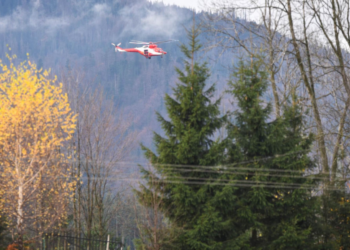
147, 43
167, 41
138, 42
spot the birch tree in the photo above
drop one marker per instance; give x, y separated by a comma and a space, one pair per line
35, 123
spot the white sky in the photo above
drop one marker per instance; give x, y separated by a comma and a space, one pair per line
198, 5
193, 4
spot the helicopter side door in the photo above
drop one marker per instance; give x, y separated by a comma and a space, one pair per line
145, 51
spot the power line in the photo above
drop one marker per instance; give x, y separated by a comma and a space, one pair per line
242, 181
206, 169
220, 181
222, 172
224, 165
223, 182
207, 179
257, 184
228, 169
218, 171
242, 163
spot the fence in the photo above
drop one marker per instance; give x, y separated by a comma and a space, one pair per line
68, 241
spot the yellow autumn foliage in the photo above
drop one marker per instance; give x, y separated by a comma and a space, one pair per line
36, 122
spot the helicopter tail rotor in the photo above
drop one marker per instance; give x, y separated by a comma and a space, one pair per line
116, 46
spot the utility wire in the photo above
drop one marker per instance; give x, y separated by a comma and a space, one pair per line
223, 182
236, 171
227, 169
257, 184
225, 165
243, 162
240, 181
209, 179
218, 171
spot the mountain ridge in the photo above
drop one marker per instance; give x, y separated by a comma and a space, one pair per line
78, 34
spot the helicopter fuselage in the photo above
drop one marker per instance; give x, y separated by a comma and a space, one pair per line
147, 50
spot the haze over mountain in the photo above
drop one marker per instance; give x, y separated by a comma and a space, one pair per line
77, 34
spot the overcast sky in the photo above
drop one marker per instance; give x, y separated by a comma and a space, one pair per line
183, 3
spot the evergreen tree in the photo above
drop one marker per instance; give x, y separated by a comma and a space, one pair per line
276, 208
333, 225
4, 234
192, 203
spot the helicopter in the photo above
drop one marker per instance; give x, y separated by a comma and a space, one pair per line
148, 49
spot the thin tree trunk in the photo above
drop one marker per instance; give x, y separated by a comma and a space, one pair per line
89, 207
20, 214
338, 141
274, 87
338, 52
310, 87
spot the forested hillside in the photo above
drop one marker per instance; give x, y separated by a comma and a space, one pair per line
244, 126
73, 39
66, 34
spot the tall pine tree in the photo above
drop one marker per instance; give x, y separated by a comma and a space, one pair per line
276, 208
193, 203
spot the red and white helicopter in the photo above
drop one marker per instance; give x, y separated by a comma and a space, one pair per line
148, 49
